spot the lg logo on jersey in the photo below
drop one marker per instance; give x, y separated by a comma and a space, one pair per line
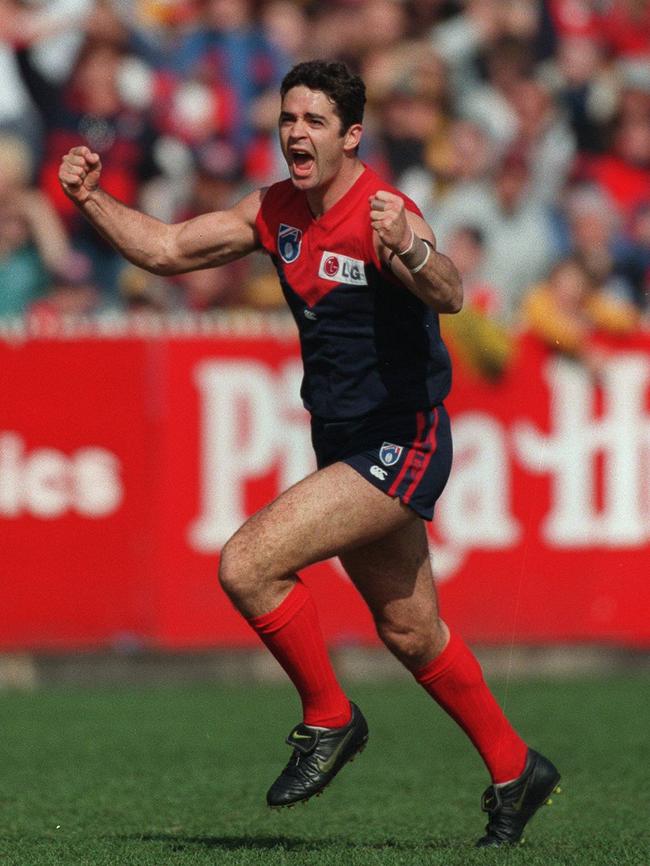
342, 269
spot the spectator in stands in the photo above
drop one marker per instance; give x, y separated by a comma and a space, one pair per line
215, 186
574, 18
335, 29
157, 28
147, 295
90, 108
516, 225
205, 291
507, 62
408, 115
625, 28
462, 39
218, 179
55, 29
460, 186
32, 237
543, 138
624, 172
594, 232
287, 28
519, 236
483, 111
230, 47
467, 243
568, 310
16, 114
488, 48
71, 294
382, 24
412, 125
475, 334
632, 257
585, 86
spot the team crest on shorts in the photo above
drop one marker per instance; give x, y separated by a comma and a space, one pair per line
289, 240
389, 454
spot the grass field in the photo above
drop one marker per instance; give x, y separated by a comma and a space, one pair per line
160, 777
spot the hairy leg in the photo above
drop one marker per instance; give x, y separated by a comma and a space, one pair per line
329, 512
394, 576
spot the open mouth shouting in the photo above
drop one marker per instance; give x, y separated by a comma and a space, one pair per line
302, 162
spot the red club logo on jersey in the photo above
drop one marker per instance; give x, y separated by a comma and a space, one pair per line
331, 266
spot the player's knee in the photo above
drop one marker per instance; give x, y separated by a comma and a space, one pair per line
234, 571
409, 642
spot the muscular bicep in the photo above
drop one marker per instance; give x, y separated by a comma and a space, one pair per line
213, 239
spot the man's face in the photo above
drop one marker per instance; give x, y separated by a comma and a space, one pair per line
313, 142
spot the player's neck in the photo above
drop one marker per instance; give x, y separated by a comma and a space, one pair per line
322, 199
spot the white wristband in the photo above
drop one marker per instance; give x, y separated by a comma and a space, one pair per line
417, 269
409, 247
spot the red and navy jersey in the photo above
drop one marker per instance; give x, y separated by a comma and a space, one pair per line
368, 343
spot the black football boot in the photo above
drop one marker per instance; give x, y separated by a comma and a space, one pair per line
317, 757
511, 806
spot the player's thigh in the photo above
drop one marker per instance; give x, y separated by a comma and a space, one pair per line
333, 510
394, 576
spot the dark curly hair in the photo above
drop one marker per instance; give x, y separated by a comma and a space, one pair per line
347, 91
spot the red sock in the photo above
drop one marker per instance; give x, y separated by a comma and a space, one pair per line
454, 679
292, 633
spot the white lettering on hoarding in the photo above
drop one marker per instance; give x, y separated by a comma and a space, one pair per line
252, 422
475, 511
568, 453
46, 483
475, 508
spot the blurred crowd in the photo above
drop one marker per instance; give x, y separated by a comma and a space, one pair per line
520, 127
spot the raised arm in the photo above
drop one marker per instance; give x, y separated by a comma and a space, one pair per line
407, 245
203, 242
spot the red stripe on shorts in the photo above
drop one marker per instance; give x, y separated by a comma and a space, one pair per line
413, 450
433, 443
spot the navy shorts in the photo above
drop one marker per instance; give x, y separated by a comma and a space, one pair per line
406, 455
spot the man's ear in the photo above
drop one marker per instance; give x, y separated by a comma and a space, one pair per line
352, 137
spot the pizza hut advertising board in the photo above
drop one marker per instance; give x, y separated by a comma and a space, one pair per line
127, 461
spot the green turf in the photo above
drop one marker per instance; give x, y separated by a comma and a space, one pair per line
152, 777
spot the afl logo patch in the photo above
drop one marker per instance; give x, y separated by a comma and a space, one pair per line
389, 454
342, 269
289, 240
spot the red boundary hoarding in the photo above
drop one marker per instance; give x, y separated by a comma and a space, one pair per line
126, 462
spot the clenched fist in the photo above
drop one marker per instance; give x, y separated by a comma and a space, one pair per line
79, 173
388, 219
